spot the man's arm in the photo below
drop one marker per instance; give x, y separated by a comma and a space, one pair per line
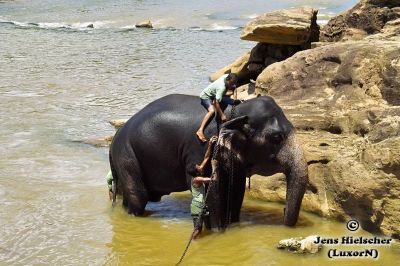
199, 180
219, 110
229, 93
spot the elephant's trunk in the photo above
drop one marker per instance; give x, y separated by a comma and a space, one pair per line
291, 156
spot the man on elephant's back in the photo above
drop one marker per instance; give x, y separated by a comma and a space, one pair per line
213, 95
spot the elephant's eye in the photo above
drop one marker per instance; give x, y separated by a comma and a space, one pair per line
276, 138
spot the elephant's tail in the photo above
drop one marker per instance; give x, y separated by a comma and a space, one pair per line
115, 179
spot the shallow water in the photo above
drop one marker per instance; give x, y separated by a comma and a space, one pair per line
61, 82
252, 242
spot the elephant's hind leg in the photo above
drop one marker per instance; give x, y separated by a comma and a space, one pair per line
134, 192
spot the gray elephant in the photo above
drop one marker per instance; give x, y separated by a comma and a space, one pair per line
156, 151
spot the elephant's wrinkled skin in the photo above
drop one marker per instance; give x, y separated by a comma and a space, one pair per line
154, 154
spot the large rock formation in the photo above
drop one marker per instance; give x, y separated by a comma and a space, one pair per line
365, 18
344, 98
338, 87
293, 27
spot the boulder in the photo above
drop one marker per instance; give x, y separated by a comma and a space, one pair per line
293, 27
280, 35
118, 123
300, 245
144, 24
366, 18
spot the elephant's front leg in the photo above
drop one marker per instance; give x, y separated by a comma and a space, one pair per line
239, 188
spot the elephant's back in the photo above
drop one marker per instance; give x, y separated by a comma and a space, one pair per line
169, 113
160, 135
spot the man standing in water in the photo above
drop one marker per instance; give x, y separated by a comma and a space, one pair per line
213, 95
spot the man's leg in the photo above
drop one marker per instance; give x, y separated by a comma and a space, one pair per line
197, 205
227, 100
200, 132
198, 225
109, 179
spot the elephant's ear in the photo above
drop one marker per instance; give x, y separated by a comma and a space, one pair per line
236, 123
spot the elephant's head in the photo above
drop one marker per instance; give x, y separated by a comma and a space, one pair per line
272, 147
259, 140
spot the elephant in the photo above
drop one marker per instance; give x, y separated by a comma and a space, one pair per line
156, 151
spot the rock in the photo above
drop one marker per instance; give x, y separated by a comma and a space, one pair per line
252, 63
144, 24
344, 100
300, 245
263, 55
387, 127
293, 27
238, 67
90, 26
118, 123
99, 142
336, 87
349, 178
390, 32
246, 92
366, 18
295, 30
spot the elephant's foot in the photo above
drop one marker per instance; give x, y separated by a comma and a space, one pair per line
201, 136
136, 204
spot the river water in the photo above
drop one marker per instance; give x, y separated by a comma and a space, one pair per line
61, 82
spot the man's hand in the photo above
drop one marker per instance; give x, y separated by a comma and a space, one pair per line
219, 111
223, 118
200, 180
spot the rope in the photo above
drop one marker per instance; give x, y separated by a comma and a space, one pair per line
187, 247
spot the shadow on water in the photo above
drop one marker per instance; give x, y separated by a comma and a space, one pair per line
177, 206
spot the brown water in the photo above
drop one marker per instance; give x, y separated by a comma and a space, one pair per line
160, 238
60, 85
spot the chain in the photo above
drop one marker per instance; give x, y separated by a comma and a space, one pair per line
212, 181
230, 184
